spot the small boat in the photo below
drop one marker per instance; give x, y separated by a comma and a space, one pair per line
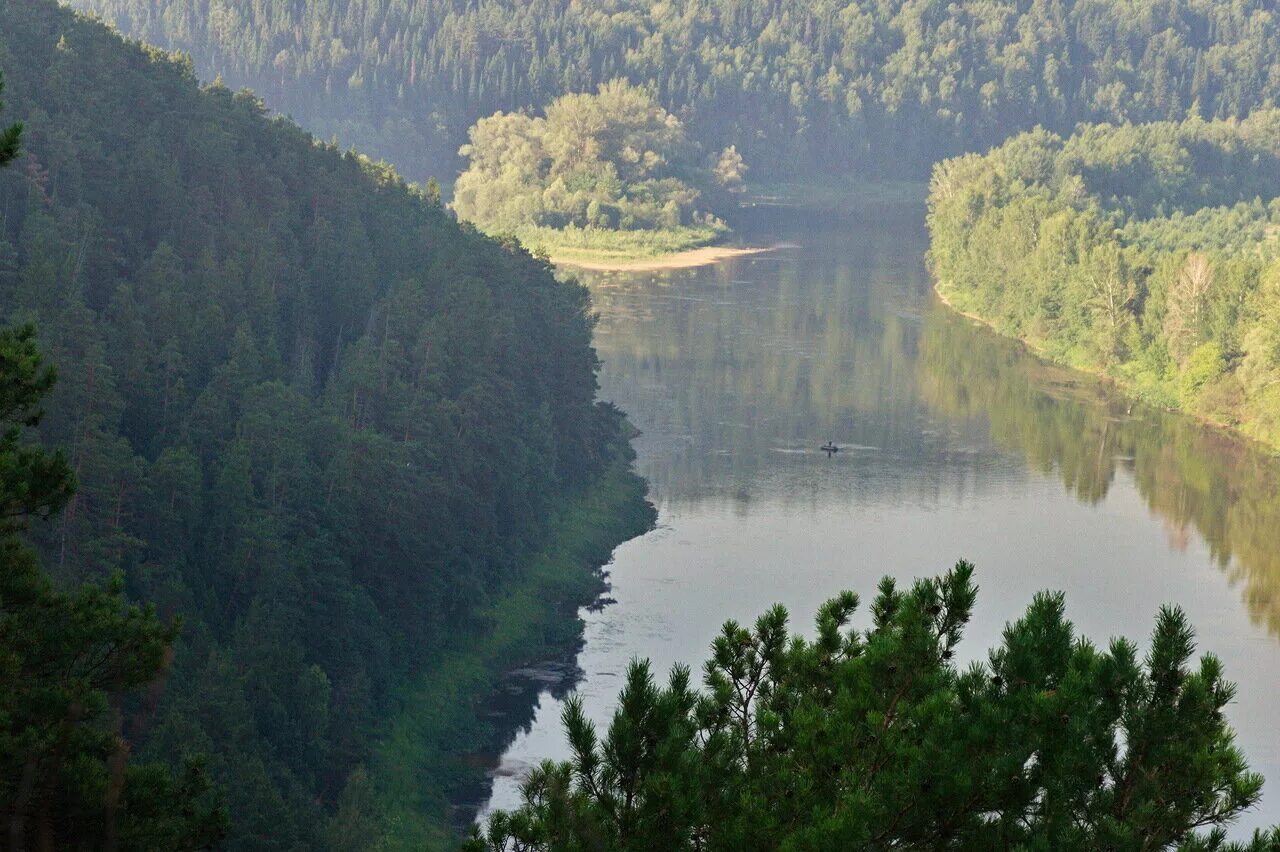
829, 447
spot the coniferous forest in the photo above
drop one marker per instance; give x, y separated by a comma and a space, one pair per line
294, 464
306, 413
883, 87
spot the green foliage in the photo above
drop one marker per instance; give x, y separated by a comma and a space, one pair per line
307, 411
66, 661
10, 137
730, 168
796, 85
1143, 251
878, 739
1204, 365
590, 245
427, 749
614, 160
36, 483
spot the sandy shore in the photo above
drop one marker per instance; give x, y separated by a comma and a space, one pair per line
680, 260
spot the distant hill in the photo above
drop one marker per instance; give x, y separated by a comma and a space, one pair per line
308, 411
872, 86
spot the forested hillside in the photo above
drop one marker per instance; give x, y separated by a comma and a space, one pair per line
1148, 252
308, 413
878, 86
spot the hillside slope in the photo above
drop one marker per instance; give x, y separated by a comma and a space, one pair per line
308, 412
873, 86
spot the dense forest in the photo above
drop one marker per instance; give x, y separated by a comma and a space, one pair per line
879, 739
66, 658
65, 778
872, 86
317, 452
308, 414
1148, 252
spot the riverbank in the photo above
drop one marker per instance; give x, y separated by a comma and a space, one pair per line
604, 248
690, 246
1240, 429
428, 754
690, 259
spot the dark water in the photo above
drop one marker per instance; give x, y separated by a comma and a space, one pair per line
957, 445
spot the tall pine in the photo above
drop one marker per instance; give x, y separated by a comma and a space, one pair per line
69, 661
879, 739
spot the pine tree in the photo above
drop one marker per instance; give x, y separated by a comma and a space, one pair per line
878, 739
66, 661
10, 137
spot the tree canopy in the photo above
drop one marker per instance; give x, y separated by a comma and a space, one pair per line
67, 660
307, 412
614, 159
881, 739
1149, 251
874, 86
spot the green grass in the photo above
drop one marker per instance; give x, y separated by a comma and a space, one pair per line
600, 245
423, 755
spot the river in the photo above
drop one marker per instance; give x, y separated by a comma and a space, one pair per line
957, 444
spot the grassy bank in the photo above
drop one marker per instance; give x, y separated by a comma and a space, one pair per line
427, 752
602, 246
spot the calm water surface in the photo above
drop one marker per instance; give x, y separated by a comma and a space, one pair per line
957, 445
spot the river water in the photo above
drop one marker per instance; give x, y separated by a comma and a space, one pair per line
957, 444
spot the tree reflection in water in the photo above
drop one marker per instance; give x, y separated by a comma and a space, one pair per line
1190, 475
741, 370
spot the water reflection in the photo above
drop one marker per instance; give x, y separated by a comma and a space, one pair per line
1196, 479
731, 369
956, 444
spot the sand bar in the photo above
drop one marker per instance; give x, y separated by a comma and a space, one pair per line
680, 260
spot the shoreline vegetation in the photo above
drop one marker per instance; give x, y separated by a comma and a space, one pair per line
1041, 351
603, 250
431, 748
606, 248
1145, 254
598, 177
688, 259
